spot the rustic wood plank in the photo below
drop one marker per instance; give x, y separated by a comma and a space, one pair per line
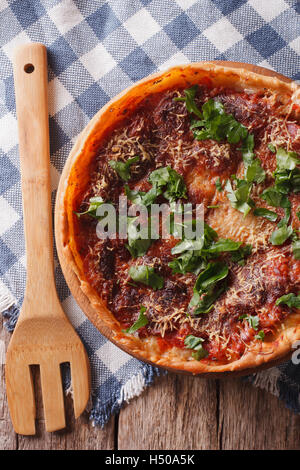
252, 418
178, 412
78, 435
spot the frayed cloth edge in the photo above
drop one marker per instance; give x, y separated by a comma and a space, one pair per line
10, 313
101, 413
267, 380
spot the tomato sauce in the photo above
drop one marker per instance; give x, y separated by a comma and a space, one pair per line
159, 132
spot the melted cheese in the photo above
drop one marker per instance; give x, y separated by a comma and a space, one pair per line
230, 223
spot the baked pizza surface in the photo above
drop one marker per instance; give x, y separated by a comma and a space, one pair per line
232, 292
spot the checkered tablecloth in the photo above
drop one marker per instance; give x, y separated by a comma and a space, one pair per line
96, 49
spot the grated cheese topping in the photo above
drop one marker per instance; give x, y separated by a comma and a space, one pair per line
253, 288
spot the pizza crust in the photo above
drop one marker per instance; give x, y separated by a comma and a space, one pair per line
76, 173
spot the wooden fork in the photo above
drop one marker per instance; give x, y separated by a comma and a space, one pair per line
43, 334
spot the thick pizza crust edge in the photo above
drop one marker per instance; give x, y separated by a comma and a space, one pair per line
80, 156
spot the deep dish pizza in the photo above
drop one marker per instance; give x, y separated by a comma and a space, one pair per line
224, 138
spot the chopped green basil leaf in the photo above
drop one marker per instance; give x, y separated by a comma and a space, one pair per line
146, 275
175, 187
189, 99
123, 168
206, 281
286, 160
187, 262
218, 125
254, 172
291, 300
274, 198
195, 343
142, 198
94, 203
260, 335
296, 249
270, 215
252, 320
239, 255
281, 234
287, 179
205, 304
272, 148
219, 185
194, 254
240, 197
213, 273
141, 321
185, 245
137, 246
222, 245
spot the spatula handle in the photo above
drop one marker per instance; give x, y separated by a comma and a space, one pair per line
30, 77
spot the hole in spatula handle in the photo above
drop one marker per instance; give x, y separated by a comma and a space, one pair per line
29, 68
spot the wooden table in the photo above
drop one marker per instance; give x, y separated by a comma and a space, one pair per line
178, 412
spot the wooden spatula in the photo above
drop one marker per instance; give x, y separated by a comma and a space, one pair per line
43, 334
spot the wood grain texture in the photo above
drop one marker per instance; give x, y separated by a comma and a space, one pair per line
193, 413
251, 418
203, 415
179, 412
43, 334
79, 434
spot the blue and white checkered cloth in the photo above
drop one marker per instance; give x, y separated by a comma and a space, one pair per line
96, 49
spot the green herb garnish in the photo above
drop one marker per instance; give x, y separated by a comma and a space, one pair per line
262, 212
195, 343
194, 255
164, 181
291, 300
123, 168
138, 243
286, 160
274, 198
219, 185
142, 198
222, 245
240, 197
254, 172
260, 335
252, 320
146, 275
281, 234
189, 100
141, 321
216, 124
171, 181
94, 203
296, 249
239, 255
272, 148
287, 179
206, 283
